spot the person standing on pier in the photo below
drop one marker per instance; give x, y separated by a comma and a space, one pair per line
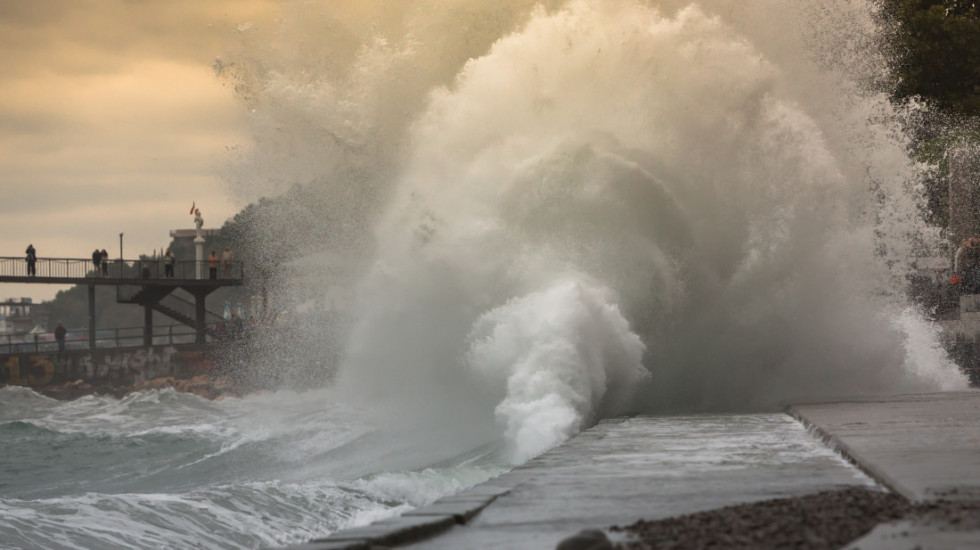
168, 264
31, 260
96, 259
105, 263
213, 265
59, 335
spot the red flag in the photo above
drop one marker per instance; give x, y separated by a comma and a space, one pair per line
192, 206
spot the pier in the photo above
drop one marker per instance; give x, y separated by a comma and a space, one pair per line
139, 282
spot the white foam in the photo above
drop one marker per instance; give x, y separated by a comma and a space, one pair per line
556, 355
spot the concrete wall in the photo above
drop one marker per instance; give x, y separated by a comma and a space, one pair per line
121, 366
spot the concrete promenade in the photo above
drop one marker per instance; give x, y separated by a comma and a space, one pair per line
924, 447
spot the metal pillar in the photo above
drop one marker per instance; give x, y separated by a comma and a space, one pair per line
199, 319
147, 324
91, 317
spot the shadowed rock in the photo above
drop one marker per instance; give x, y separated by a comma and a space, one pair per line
589, 539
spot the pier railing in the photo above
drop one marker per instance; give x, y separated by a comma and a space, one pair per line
109, 338
154, 268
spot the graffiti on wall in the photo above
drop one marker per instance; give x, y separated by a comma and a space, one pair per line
36, 370
129, 366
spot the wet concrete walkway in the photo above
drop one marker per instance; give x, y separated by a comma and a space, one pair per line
616, 473
926, 447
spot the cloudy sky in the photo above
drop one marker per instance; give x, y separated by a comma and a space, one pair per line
112, 120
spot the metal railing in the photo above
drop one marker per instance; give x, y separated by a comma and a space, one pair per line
154, 268
108, 338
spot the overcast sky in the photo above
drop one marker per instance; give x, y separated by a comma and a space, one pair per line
112, 121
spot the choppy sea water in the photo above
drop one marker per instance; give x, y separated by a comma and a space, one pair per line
169, 470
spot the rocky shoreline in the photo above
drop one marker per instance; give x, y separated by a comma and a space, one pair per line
826, 520
204, 385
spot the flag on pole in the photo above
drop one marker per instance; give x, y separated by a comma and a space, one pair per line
192, 206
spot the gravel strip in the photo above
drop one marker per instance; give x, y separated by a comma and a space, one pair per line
827, 520
954, 515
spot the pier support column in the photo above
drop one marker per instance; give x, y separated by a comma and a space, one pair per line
199, 318
147, 324
91, 317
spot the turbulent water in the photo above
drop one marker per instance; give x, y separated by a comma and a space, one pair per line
172, 470
553, 212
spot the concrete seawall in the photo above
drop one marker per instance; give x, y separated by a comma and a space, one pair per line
117, 366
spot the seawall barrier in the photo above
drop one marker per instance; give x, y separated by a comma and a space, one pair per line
112, 367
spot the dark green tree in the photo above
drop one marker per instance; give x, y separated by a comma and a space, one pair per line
938, 49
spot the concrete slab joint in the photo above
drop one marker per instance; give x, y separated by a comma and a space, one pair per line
413, 526
849, 454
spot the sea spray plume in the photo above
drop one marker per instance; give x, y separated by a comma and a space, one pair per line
331, 94
664, 159
562, 357
509, 222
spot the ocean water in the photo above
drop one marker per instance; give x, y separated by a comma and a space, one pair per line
546, 213
170, 470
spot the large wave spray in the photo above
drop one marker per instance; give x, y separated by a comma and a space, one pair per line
642, 206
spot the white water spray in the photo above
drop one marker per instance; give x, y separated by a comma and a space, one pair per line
630, 206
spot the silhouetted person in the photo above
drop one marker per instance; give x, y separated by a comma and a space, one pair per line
213, 265
105, 263
31, 260
96, 260
59, 335
168, 264
145, 272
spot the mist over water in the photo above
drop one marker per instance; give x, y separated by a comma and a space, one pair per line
580, 209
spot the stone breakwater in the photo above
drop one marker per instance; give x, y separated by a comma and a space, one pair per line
117, 366
73, 374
